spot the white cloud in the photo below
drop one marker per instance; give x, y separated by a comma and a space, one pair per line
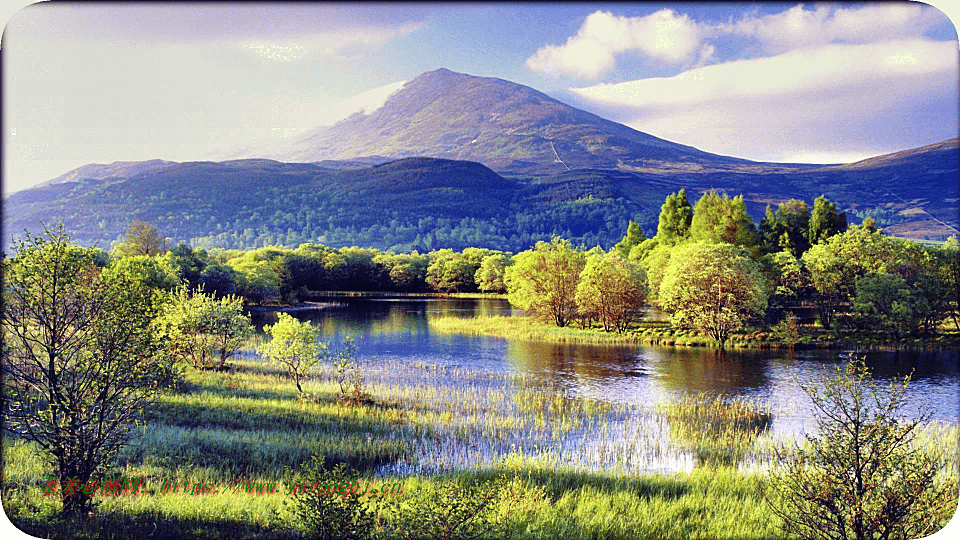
799, 27
664, 36
807, 102
365, 103
676, 39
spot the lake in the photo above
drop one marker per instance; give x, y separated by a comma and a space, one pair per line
394, 339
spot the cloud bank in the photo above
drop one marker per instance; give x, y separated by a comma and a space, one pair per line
827, 84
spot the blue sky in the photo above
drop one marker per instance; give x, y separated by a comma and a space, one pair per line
764, 81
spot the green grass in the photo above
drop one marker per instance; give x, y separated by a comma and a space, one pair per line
660, 333
581, 468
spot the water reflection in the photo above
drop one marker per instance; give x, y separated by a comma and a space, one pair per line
696, 370
396, 331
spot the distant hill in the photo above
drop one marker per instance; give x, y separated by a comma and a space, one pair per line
453, 160
428, 203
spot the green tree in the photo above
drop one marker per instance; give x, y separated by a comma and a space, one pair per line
153, 272
142, 238
202, 330
836, 264
676, 215
950, 260
490, 275
825, 221
723, 220
885, 303
715, 288
860, 477
633, 238
787, 229
544, 280
612, 290
451, 271
79, 358
322, 513
295, 346
655, 264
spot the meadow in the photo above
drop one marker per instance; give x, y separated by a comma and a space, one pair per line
574, 467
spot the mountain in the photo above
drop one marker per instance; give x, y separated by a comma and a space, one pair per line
504, 125
453, 160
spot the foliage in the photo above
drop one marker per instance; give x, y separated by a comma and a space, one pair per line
676, 216
612, 289
633, 238
142, 238
451, 511
787, 229
490, 276
950, 257
295, 346
724, 220
787, 331
716, 288
544, 280
861, 476
79, 358
452, 272
202, 330
836, 264
825, 221
321, 513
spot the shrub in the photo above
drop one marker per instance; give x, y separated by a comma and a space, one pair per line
860, 477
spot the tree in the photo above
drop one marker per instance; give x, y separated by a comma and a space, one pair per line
296, 347
612, 289
724, 220
544, 280
633, 238
950, 259
860, 477
142, 238
825, 221
79, 358
451, 271
490, 275
202, 330
836, 264
676, 216
787, 229
716, 288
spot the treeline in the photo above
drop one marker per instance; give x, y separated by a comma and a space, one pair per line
715, 271
281, 275
709, 266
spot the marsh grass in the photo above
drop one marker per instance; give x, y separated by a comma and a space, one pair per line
720, 430
577, 467
646, 332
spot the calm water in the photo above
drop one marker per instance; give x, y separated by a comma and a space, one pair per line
395, 332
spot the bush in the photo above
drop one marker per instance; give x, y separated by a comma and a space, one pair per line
328, 511
861, 477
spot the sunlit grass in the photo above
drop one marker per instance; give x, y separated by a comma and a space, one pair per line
589, 468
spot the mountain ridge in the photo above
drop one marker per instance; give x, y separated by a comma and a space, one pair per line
507, 126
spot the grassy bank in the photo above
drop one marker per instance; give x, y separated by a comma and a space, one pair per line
645, 333
662, 334
579, 468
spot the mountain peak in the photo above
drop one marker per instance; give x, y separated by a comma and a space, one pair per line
504, 125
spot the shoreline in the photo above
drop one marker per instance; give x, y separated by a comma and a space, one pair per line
528, 329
